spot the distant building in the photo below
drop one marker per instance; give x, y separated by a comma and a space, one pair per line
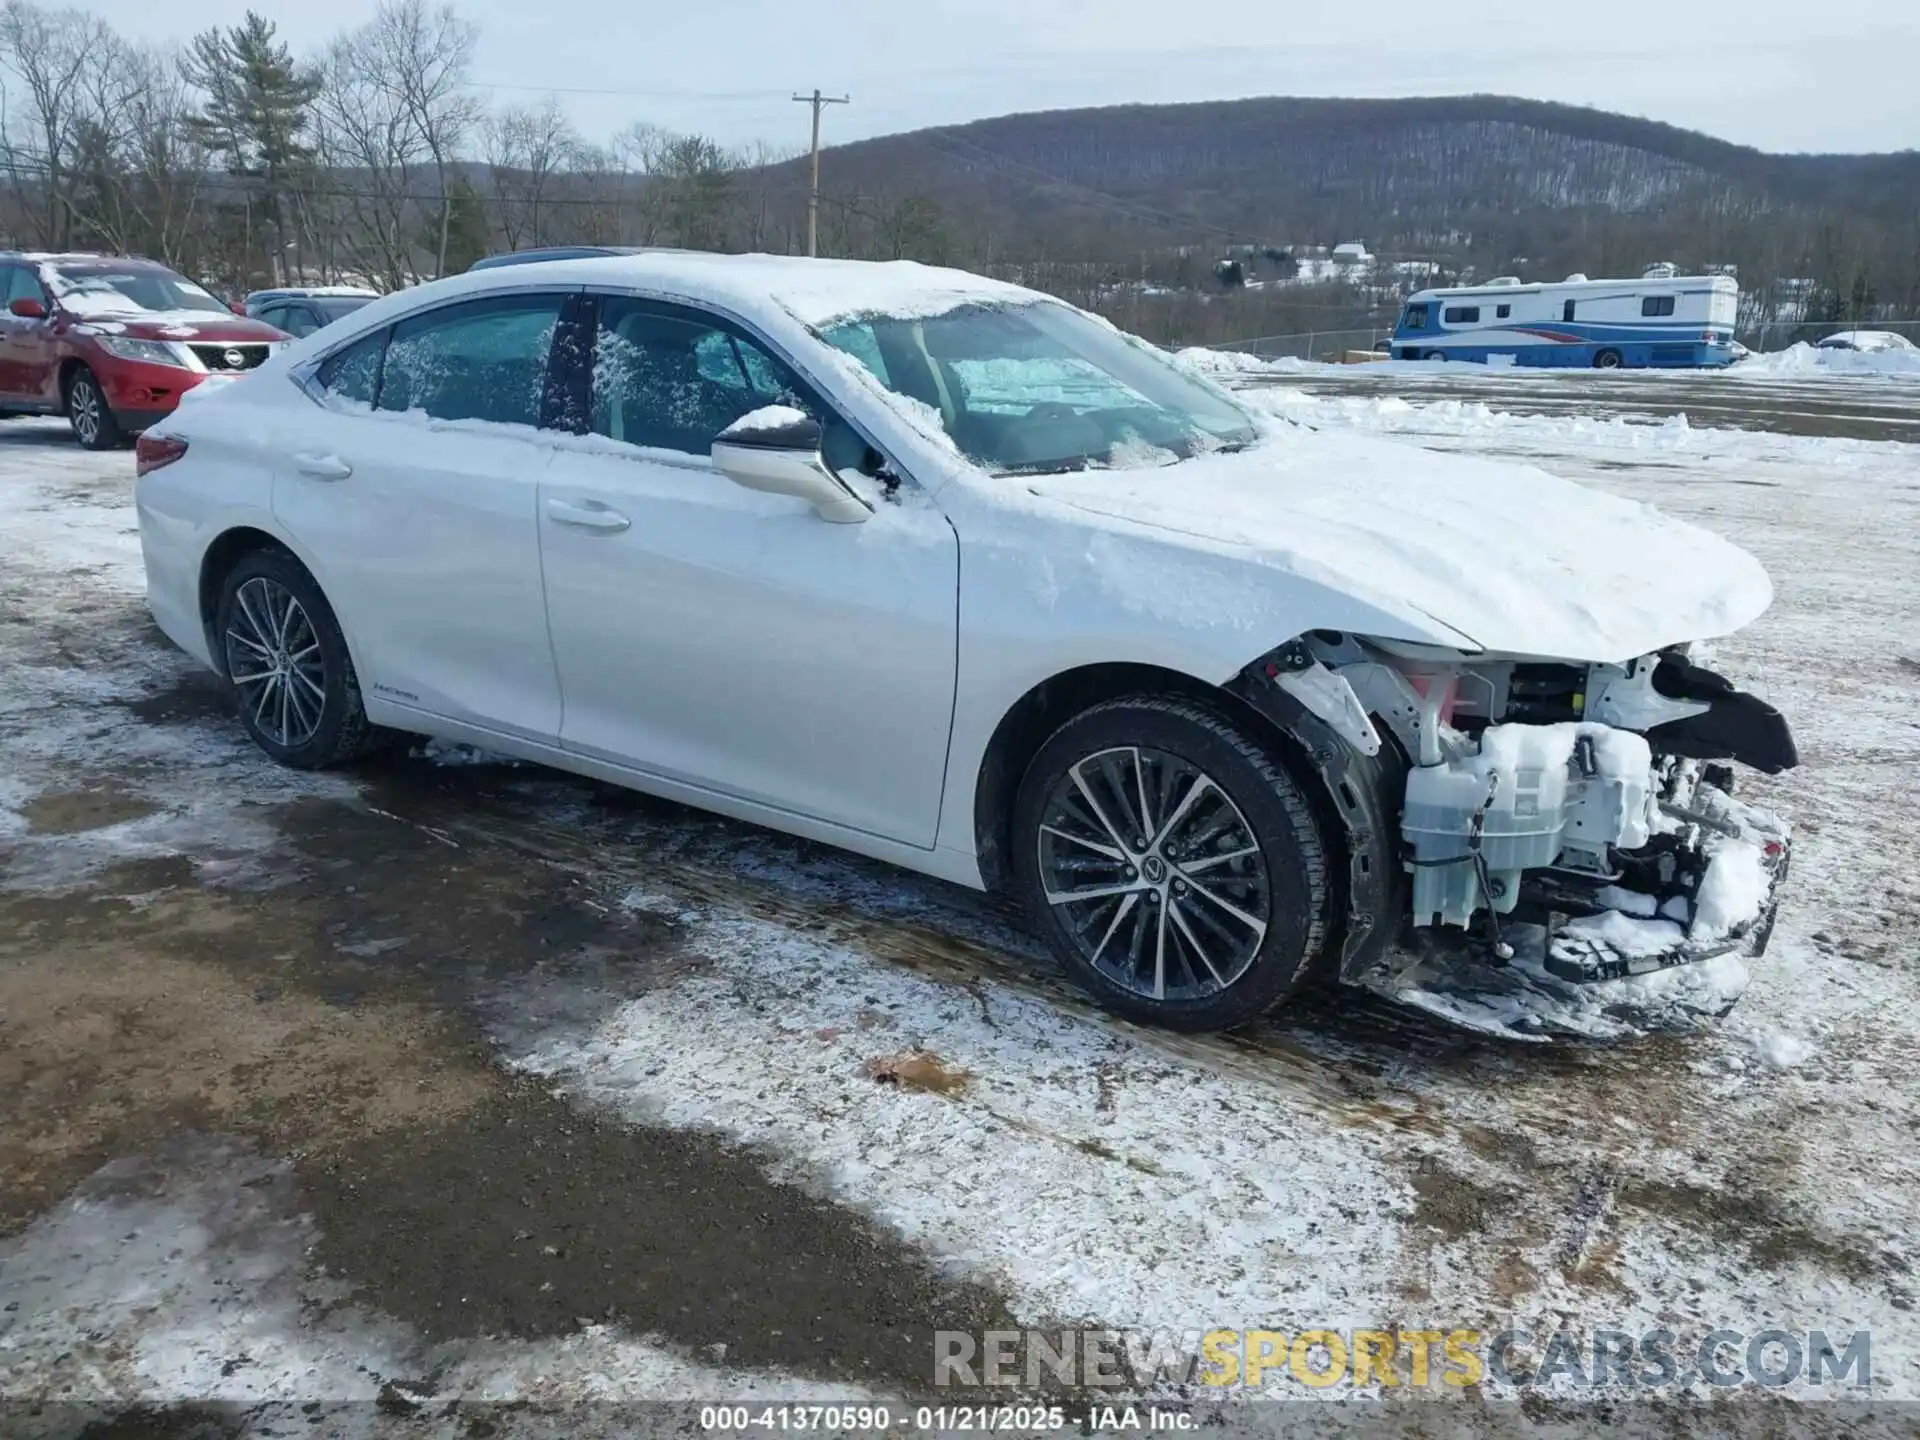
1351, 253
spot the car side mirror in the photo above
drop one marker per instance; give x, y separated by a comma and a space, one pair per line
776, 449
27, 308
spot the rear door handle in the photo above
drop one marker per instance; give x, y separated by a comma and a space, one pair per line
322, 467
589, 515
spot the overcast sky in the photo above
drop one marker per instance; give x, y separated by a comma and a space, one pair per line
1779, 74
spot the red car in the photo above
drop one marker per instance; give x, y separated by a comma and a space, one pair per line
112, 343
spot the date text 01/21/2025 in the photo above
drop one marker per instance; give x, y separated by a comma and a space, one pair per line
986, 1419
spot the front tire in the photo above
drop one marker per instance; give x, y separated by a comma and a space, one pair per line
293, 682
88, 413
1172, 862
1607, 360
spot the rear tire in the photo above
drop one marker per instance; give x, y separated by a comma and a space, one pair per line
293, 682
1433, 355
1172, 863
1607, 360
87, 412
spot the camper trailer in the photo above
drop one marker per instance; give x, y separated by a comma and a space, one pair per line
1676, 321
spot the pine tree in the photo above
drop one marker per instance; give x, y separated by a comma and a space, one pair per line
255, 116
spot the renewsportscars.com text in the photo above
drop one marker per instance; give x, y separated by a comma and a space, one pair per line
1455, 1357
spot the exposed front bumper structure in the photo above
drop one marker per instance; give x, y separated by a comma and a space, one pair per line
1555, 828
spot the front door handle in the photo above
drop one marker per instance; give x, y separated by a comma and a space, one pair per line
590, 515
322, 467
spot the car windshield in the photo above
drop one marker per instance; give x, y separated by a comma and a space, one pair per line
1040, 387
128, 289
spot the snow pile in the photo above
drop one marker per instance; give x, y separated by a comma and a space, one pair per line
1803, 360
1233, 362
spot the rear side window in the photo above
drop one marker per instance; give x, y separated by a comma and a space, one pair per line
1657, 305
1501, 312
1463, 315
296, 320
484, 360
354, 373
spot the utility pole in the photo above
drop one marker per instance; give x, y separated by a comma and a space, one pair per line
817, 101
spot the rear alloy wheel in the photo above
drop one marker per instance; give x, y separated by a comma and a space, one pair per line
293, 682
87, 411
1607, 360
1173, 863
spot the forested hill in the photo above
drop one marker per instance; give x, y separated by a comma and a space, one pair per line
1496, 175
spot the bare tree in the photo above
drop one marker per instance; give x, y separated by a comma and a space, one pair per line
527, 149
369, 148
423, 52
47, 60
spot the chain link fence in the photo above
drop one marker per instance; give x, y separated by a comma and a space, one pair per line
1334, 345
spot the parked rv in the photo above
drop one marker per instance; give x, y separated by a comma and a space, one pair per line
1676, 321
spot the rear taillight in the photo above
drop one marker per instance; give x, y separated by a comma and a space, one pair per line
151, 452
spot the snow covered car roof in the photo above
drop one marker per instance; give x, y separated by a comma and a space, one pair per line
1866, 340
813, 291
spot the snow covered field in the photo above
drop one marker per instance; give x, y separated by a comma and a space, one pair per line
448, 1080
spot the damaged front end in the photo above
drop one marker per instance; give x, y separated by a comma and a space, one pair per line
1548, 841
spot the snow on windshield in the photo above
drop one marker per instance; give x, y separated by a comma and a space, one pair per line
1037, 386
132, 291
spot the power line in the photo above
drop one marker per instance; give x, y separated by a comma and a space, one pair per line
652, 92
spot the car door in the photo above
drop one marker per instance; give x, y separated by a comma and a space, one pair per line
26, 347
732, 640
412, 481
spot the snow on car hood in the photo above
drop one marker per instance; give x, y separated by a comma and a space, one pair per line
210, 326
1520, 561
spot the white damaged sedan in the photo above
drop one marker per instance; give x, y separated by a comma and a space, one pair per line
949, 573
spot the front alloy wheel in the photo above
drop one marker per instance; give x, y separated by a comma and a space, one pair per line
1173, 861
1153, 873
87, 411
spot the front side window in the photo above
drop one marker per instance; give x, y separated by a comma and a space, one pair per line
1416, 317
1464, 315
672, 381
1657, 305
22, 284
1037, 387
103, 290
482, 360
353, 374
